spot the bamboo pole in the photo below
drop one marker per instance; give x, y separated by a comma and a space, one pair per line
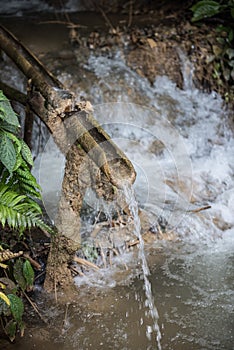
53, 104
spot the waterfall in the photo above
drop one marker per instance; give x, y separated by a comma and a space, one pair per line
133, 207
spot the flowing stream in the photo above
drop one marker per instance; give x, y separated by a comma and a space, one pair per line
181, 144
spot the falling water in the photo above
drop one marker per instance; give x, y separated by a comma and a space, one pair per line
133, 207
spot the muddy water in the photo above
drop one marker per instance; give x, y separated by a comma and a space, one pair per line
181, 144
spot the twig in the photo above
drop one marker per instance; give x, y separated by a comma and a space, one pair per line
159, 231
110, 257
125, 266
130, 13
96, 219
102, 255
55, 289
115, 251
32, 261
131, 244
34, 307
73, 269
98, 228
105, 17
40, 274
65, 323
80, 273
68, 24
85, 262
197, 210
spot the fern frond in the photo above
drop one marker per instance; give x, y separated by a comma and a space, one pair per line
21, 220
8, 197
27, 177
18, 211
23, 182
30, 190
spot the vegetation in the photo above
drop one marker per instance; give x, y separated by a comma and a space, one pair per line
18, 211
223, 52
18, 187
20, 278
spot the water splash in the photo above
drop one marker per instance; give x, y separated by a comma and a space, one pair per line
187, 70
133, 207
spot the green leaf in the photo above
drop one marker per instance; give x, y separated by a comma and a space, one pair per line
232, 12
4, 308
205, 8
10, 330
226, 73
19, 161
16, 142
230, 53
9, 115
2, 96
221, 28
8, 127
10, 287
217, 50
7, 152
221, 41
232, 74
18, 274
26, 153
28, 273
230, 35
17, 307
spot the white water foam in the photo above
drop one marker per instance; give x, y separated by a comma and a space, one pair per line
194, 167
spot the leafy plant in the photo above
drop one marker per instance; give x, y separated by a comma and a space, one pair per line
20, 211
206, 8
18, 187
11, 289
223, 52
